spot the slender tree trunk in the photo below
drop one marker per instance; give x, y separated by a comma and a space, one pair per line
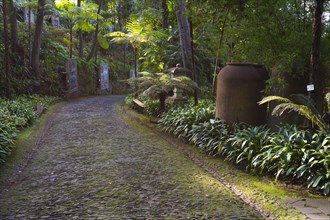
218, 51
184, 31
30, 41
130, 7
135, 61
35, 53
124, 47
94, 46
71, 39
193, 70
162, 98
316, 76
164, 15
13, 28
7, 52
80, 50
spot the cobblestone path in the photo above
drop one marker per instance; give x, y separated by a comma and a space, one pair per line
90, 164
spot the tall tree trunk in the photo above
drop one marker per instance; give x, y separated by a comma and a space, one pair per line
80, 50
30, 42
94, 46
184, 31
7, 52
193, 70
35, 54
164, 15
13, 27
316, 76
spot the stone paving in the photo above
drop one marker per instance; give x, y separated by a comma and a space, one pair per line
315, 209
90, 164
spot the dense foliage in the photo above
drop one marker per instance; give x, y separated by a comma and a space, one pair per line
290, 153
15, 115
277, 34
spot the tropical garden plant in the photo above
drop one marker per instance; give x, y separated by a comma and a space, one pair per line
301, 104
289, 153
17, 114
160, 85
137, 35
180, 118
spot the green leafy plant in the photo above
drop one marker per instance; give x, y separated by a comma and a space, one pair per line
245, 144
315, 164
290, 153
8, 134
282, 154
180, 119
209, 136
152, 107
299, 103
137, 35
16, 114
160, 85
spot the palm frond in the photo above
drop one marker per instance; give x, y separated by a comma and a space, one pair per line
304, 100
273, 98
303, 105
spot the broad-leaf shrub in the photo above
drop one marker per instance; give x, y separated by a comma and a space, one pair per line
180, 119
289, 153
21, 109
7, 136
16, 114
244, 144
209, 136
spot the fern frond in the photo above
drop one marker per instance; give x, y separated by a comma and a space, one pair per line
116, 34
134, 27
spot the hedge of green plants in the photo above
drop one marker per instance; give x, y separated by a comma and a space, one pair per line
289, 153
15, 115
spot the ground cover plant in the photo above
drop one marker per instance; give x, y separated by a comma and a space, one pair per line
289, 153
15, 115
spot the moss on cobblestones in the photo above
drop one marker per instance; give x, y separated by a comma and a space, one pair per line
92, 164
262, 193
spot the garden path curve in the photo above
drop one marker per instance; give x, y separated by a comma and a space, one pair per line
91, 164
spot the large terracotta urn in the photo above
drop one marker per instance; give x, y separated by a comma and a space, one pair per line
239, 89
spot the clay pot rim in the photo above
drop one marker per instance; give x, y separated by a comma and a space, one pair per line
244, 64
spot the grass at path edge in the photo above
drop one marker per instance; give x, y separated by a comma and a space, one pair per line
25, 142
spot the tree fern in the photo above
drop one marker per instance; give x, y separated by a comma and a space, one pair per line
154, 85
